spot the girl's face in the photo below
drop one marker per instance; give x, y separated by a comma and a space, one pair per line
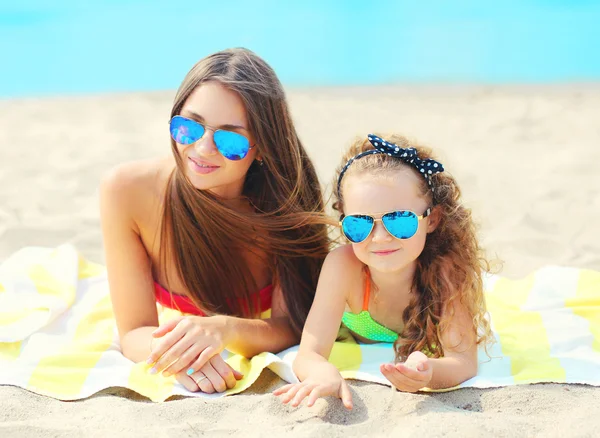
216, 106
378, 194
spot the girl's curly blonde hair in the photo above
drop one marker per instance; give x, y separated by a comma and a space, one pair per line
450, 268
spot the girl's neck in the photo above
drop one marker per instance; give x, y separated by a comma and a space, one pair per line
398, 281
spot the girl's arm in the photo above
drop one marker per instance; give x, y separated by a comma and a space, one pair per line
338, 277
460, 353
319, 378
458, 364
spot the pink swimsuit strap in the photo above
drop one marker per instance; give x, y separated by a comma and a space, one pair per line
184, 304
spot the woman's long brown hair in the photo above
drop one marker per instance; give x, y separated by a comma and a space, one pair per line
210, 242
450, 268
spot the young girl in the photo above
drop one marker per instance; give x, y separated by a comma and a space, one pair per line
220, 230
410, 276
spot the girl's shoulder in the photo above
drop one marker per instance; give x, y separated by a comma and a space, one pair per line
345, 271
342, 260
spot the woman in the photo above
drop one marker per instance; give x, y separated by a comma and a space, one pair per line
222, 230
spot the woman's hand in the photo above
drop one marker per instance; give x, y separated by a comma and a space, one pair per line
187, 343
216, 376
410, 376
323, 380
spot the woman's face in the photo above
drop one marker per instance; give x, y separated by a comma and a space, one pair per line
215, 106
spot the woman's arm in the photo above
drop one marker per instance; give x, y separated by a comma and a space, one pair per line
244, 336
128, 265
249, 337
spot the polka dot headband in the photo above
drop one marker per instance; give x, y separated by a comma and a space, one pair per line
427, 168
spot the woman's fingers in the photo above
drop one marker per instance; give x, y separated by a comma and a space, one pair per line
166, 343
214, 377
203, 358
187, 382
184, 361
173, 354
165, 328
203, 382
224, 370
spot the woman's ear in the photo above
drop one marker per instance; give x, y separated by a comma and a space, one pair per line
434, 219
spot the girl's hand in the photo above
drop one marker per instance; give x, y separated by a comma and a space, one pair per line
324, 380
411, 375
187, 343
216, 376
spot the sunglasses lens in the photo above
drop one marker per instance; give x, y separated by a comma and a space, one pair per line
357, 227
232, 145
401, 224
185, 131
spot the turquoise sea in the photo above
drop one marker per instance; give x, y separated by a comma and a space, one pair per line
78, 46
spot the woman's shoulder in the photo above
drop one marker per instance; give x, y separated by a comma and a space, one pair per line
138, 175
136, 185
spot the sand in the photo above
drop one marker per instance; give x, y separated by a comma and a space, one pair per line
526, 158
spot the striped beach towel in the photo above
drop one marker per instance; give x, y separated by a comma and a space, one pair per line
58, 335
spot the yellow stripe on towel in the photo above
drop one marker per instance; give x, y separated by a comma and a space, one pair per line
48, 283
63, 375
522, 335
9, 318
154, 386
346, 354
87, 269
10, 350
586, 303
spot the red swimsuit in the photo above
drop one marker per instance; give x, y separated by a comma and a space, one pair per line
184, 304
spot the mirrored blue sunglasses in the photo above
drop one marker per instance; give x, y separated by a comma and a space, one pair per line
231, 145
402, 224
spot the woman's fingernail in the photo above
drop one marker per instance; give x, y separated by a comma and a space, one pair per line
149, 361
153, 370
190, 372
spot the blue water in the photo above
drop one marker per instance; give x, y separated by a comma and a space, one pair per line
82, 46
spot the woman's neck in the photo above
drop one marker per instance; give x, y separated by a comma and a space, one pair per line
240, 204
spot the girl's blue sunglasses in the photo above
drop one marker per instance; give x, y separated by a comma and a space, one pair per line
231, 145
401, 224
